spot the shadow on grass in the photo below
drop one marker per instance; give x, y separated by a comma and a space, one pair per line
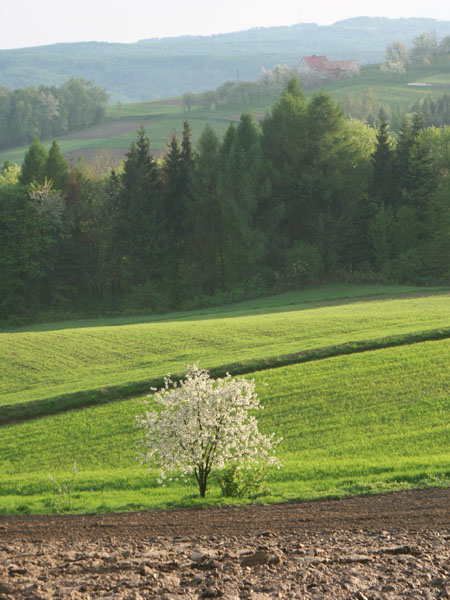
16, 413
307, 299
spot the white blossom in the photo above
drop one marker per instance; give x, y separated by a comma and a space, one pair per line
201, 424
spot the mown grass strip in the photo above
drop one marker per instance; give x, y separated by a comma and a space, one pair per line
15, 413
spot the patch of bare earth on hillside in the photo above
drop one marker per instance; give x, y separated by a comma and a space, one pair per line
90, 154
167, 102
108, 130
377, 547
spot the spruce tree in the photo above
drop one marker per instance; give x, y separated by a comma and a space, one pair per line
383, 176
284, 151
34, 163
172, 213
186, 144
203, 272
56, 167
405, 140
240, 190
139, 211
325, 180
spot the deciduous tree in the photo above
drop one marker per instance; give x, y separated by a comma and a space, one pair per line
203, 424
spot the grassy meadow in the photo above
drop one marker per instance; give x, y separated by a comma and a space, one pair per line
38, 365
372, 421
394, 90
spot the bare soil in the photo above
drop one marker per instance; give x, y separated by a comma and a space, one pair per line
109, 130
89, 154
167, 102
373, 548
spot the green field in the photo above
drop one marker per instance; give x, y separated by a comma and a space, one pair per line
358, 423
163, 117
390, 90
37, 365
354, 424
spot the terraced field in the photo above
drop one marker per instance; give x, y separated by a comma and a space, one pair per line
353, 423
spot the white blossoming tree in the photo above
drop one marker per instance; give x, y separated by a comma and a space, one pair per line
202, 424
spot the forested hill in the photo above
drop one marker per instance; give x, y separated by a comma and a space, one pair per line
159, 68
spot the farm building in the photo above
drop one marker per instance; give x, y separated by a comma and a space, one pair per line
328, 69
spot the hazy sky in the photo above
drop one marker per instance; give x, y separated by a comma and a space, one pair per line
32, 22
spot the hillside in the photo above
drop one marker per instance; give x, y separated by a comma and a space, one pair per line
159, 68
163, 117
352, 421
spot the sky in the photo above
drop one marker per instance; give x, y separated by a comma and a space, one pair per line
32, 23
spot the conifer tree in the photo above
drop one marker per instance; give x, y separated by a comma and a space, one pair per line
172, 212
204, 255
139, 213
186, 145
243, 247
284, 150
176, 173
422, 180
34, 163
324, 182
56, 167
383, 178
405, 140
418, 123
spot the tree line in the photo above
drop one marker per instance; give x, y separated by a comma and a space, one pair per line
425, 50
308, 196
49, 111
435, 111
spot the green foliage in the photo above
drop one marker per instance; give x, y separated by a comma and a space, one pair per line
34, 163
30, 233
49, 111
137, 215
306, 197
236, 482
303, 264
56, 168
370, 422
204, 252
63, 492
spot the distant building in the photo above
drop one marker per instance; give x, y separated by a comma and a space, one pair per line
329, 70
310, 64
335, 69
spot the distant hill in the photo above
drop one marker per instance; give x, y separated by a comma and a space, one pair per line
159, 68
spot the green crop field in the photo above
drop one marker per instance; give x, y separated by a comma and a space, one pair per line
160, 122
37, 365
390, 90
375, 421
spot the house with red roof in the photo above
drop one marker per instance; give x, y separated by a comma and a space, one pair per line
311, 64
328, 70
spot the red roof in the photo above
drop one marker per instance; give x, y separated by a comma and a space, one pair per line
314, 62
343, 65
